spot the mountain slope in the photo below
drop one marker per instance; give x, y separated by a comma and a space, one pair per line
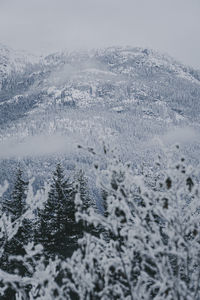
126, 96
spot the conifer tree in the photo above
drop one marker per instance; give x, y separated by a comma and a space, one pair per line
18, 196
16, 207
59, 231
82, 184
82, 188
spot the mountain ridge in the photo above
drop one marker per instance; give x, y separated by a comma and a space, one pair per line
124, 95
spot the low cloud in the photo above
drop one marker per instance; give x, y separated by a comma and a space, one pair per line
37, 146
181, 136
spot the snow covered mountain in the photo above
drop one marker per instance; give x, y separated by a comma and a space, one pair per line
129, 96
14, 62
110, 77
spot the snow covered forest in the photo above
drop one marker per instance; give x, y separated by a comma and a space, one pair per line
99, 150
144, 244
96, 201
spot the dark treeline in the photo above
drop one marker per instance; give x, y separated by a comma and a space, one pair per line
54, 226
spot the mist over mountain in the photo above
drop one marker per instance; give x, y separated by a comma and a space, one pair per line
134, 99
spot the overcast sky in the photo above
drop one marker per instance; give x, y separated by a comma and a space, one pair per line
43, 26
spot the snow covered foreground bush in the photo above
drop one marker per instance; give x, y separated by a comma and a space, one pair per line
150, 246
147, 244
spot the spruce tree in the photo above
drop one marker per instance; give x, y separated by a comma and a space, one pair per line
17, 205
81, 183
82, 186
18, 196
59, 231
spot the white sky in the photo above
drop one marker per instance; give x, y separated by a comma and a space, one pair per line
43, 26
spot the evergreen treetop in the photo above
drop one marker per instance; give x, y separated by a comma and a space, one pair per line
18, 196
58, 228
